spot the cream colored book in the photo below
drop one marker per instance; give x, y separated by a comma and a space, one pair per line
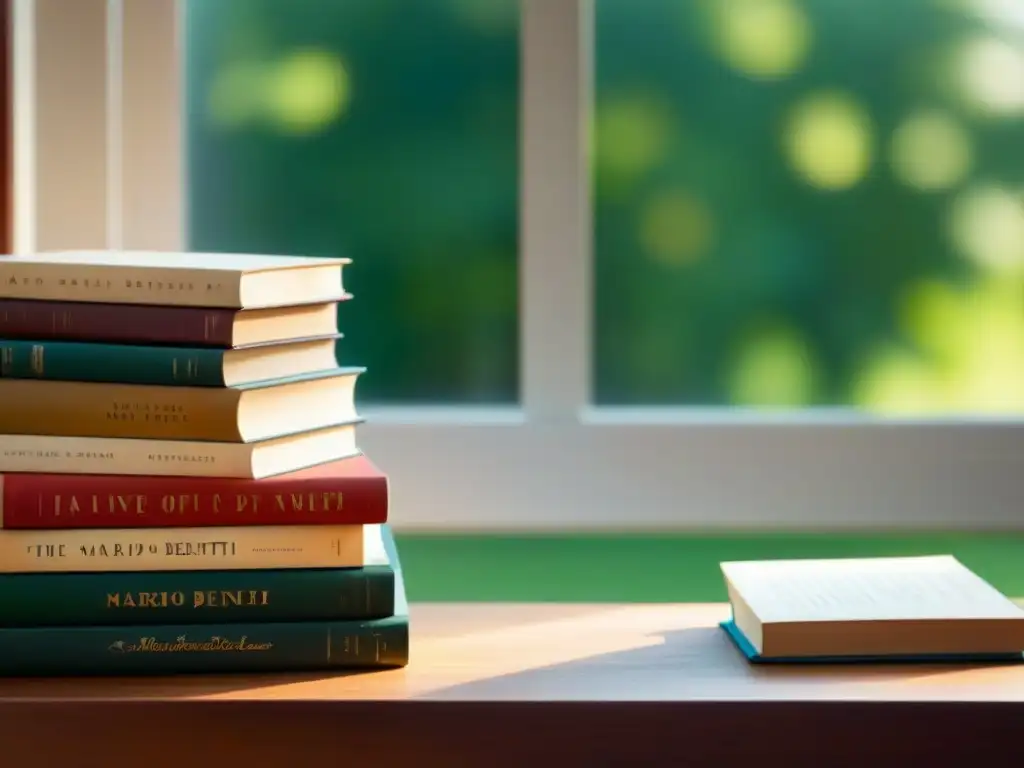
264, 326
234, 280
191, 549
60, 455
911, 607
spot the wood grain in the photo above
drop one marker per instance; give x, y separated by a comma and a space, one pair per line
597, 684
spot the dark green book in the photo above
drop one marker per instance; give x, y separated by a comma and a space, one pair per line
213, 648
195, 597
165, 365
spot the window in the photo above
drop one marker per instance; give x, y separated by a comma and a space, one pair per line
804, 203
382, 130
540, 357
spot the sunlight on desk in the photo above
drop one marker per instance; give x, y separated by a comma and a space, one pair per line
554, 652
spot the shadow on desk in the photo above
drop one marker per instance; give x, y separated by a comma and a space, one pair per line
696, 700
696, 662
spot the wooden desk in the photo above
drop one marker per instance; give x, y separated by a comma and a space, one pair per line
498, 685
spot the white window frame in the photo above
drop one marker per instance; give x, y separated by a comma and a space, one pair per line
556, 462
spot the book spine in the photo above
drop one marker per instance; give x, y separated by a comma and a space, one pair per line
182, 549
216, 648
108, 284
55, 454
112, 363
89, 409
196, 597
123, 323
114, 501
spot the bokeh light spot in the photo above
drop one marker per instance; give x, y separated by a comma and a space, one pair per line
676, 227
990, 74
828, 139
969, 354
760, 38
987, 227
775, 367
898, 383
632, 136
930, 151
307, 91
929, 313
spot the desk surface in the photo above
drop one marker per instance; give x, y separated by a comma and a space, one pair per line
485, 652
575, 674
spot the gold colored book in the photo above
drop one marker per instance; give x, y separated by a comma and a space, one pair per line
914, 607
191, 549
242, 413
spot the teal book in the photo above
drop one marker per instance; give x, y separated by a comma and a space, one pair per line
162, 365
195, 597
748, 650
168, 649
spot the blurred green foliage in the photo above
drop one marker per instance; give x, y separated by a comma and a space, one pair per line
384, 130
796, 203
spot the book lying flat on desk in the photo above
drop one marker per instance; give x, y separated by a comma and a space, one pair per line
874, 609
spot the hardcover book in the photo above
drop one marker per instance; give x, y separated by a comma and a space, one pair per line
60, 454
231, 280
242, 413
187, 549
175, 326
875, 609
351, 491
163, 365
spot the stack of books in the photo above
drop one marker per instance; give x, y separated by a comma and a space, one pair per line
182, 488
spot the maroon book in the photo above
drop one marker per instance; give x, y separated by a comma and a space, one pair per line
178, 326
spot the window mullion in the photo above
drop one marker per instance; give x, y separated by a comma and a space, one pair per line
153, 151
555, 241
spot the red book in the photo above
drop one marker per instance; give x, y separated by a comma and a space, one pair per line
350, 491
